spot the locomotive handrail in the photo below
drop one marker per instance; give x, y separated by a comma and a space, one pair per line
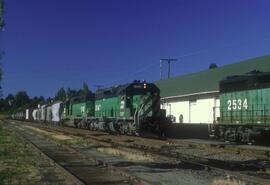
141, 108
135, 120
138, 116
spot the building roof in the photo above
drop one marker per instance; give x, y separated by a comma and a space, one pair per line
208, 80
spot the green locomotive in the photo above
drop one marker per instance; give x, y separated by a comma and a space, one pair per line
76, 110
244, 107
126, 109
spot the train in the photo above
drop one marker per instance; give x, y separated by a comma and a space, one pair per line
135, 107
244, 107
132, 109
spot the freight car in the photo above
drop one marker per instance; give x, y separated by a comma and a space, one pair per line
244, 107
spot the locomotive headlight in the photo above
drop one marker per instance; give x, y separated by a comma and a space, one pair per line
144, 86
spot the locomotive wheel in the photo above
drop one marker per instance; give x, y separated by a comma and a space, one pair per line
75, 123
84, 123
122, 129
240, 137
250, 139
88, 122
227, 135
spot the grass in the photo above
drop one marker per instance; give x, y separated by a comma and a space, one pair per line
3, 116
227, 181
5, 173
6, 176
16, 164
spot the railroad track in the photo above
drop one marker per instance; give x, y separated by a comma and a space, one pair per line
167, 154
78, 168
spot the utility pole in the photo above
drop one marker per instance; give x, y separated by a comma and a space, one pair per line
160, 69
168, 60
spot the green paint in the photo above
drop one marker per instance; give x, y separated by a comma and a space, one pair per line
109, 107
78, 110
250, 107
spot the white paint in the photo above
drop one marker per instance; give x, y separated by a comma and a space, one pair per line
204, 110
56, 112
178, 108
34, 114
122, 104
82, 109
27, 114
237, 104
97, 107
217, 110
43, 112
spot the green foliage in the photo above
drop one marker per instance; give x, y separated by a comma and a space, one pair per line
71, 93
2, 23
49, 100
213, 66
18, 162
36, 101
6, 176
60, 95
19, 102
1, 72
85, 93
21, 99
5, 154
3, 105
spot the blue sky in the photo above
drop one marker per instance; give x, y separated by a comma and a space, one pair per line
50, 44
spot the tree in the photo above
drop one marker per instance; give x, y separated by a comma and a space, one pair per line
37, 101
71, 93
60, 95
49, 100
10, 99
41, 100
85, 93
213, 66
2, 23
3, 105
21, 99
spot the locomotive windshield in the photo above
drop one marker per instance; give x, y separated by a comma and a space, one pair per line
142, 89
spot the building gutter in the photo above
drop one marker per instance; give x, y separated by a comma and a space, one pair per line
192, 94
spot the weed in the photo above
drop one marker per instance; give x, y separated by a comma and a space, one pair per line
228, 181
6, 176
